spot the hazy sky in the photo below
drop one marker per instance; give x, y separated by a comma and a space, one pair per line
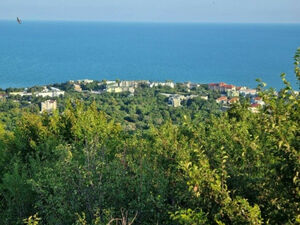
154, 10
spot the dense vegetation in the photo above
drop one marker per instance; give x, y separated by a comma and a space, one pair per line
189, 165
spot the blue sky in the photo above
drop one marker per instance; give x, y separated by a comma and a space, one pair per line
249, 11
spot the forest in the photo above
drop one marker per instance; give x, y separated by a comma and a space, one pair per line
111, 159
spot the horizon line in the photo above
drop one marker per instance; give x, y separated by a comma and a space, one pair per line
149, 22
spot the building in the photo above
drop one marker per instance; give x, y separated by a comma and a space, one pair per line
248, 92
163, 84
48, 106
190, 85
54, 92
85, 81
233, 100
127, 83
123, 86
215, 86
232, 93
241, 88
77, 87
222, 87
110, 82
24, 93
257, 100
133, 83
175, 99
254, 108
222, 100
116, 89
204, 97
21, 93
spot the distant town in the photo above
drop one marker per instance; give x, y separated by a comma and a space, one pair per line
229, 93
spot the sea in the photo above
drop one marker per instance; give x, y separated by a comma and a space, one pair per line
42, 52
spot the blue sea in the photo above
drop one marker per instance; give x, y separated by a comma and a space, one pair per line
36, 53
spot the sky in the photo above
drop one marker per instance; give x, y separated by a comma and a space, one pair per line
236, 11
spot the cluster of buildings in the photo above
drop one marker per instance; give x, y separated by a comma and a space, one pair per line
52, 92
231, 94
85, 81
176, 99
225, 100
231, 90
112, 86
122, 86
256, 103
46, 106
130, 86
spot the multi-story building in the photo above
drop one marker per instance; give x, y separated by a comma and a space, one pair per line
48, 106
163, 84
222, 87
54, 92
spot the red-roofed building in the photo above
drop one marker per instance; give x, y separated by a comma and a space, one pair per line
241, 88
257, 100
222, 99
222, 87
233, 100
254, 107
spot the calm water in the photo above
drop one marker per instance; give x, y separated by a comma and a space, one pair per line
48, 52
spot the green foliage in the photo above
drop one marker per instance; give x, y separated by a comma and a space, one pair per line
119, 159
190, 217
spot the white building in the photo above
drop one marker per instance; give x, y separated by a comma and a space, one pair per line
204, 97
133, 83
232, 93
48, 106
190, 85
257, 100
54, 92
77, 88
175, 100
21, 93
163, 84
85, 81
114, 89
248, 92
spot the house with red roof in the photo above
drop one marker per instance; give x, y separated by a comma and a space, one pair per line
222, 100
257, 100
222, 87
254, 107
233, 100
